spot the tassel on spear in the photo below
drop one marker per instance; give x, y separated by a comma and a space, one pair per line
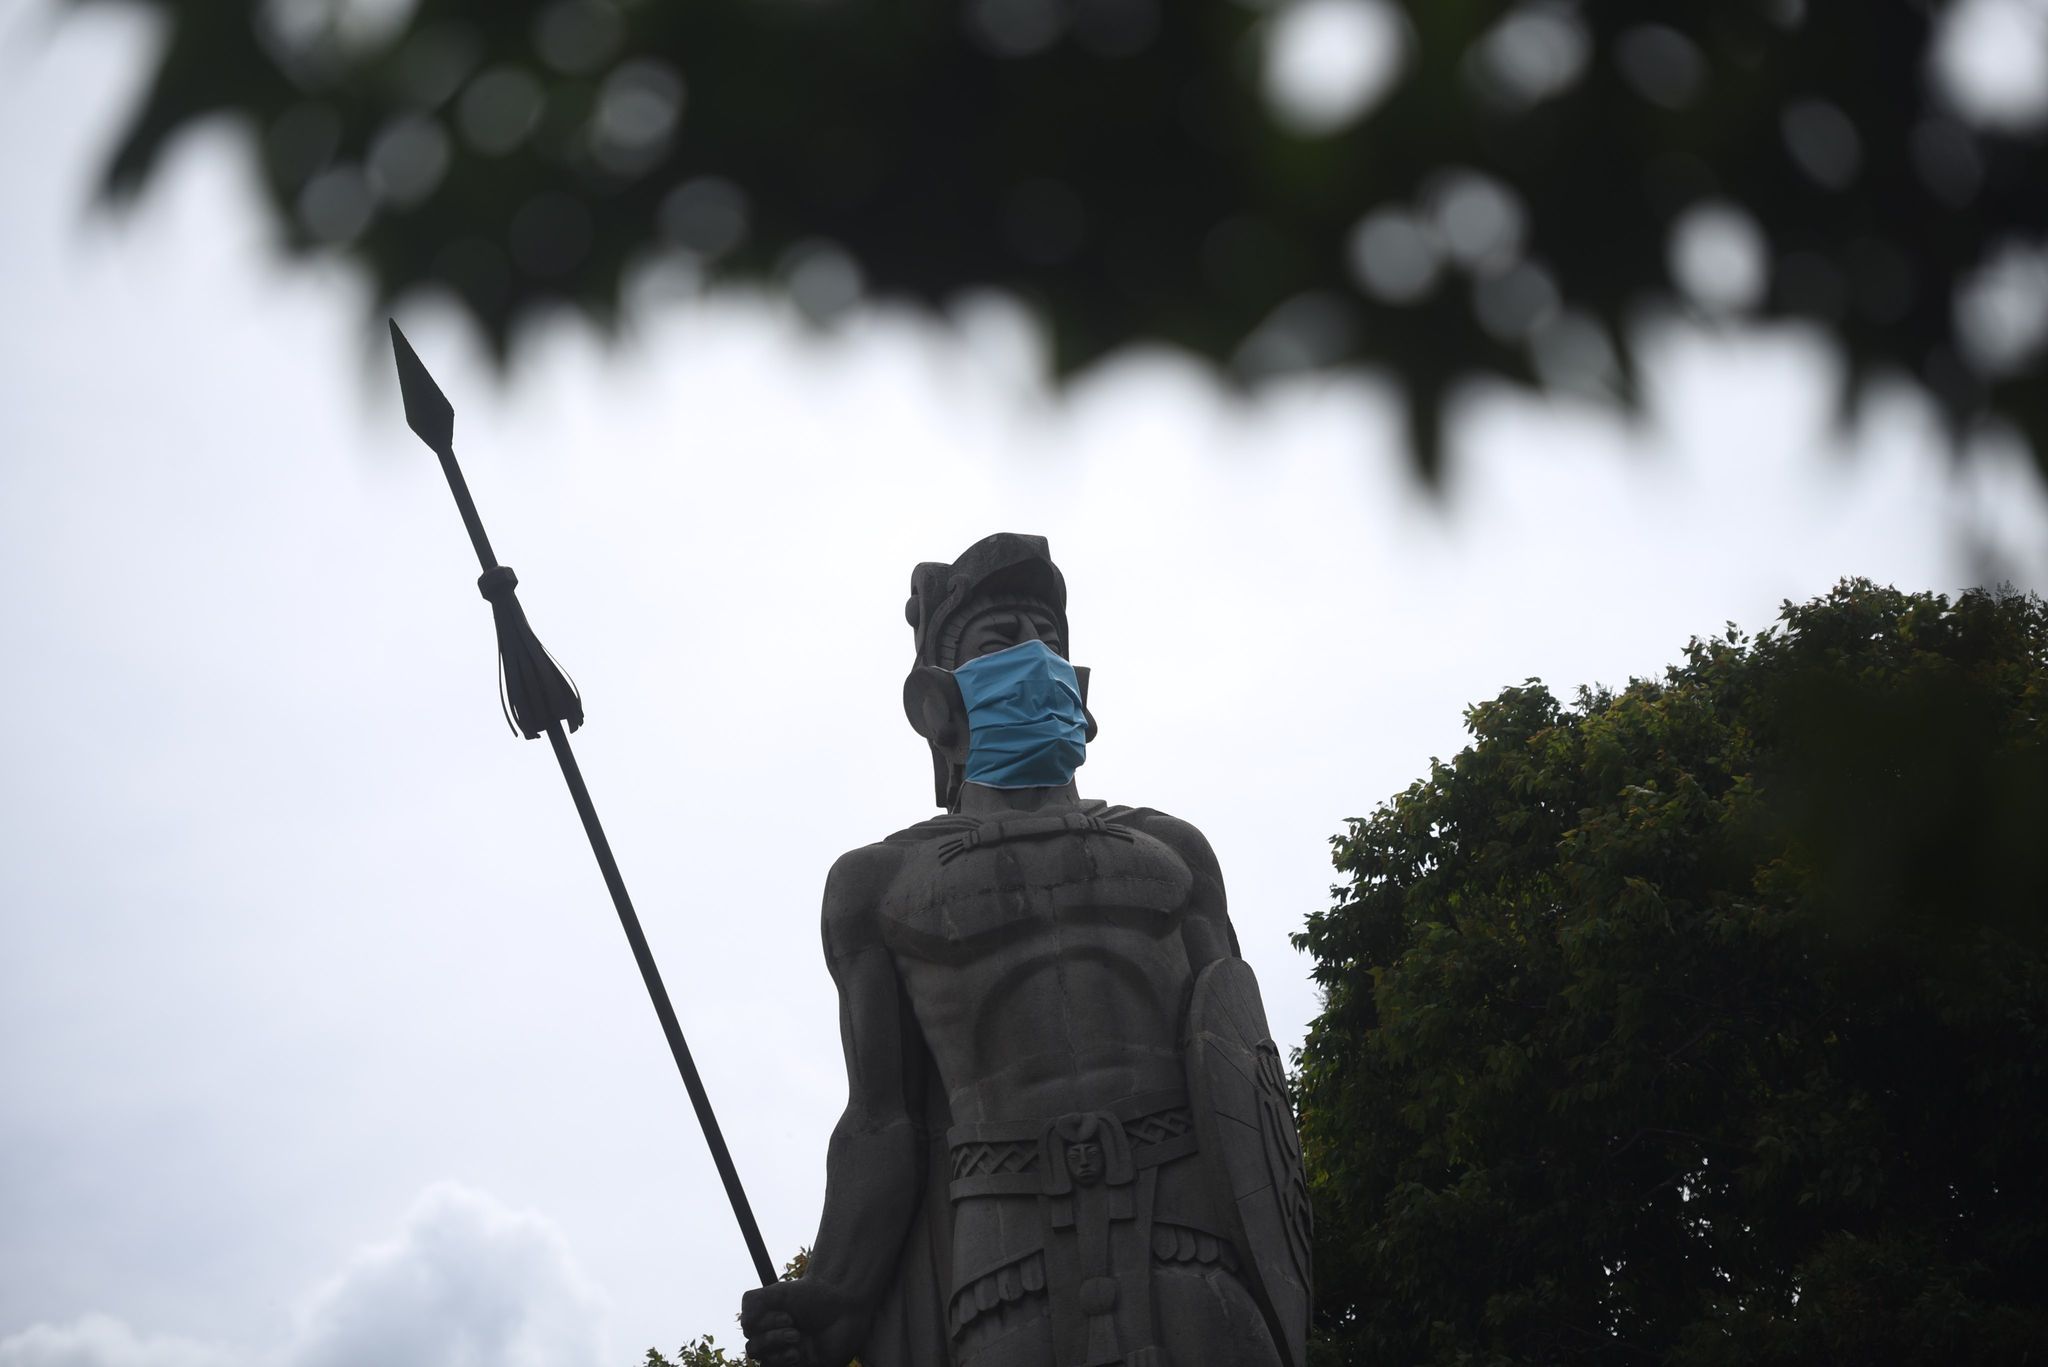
539, 699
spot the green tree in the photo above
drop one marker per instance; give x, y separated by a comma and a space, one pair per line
703, 1352
1506, 209
1705, 1022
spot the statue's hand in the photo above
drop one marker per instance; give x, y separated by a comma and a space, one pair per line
808, 1322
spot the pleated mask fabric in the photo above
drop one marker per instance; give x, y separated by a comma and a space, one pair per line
1025, 724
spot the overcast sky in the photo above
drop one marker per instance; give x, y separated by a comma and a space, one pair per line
319, 1043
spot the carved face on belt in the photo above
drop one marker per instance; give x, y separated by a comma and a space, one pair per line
1084, 1163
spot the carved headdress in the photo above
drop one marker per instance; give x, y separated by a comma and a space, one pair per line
1005, 565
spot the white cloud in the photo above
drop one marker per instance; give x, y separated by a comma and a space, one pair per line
103, 1341
466, 1283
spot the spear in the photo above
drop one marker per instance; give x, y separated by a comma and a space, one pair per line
538, 699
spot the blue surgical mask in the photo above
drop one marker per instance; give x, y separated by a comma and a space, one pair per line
1025, 726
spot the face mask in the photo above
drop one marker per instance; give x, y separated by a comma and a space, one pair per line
1025, 725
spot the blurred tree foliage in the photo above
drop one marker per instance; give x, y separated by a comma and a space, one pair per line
1506, 208
1705, 1022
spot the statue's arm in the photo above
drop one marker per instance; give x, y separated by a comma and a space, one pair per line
873, 1166
1205, 927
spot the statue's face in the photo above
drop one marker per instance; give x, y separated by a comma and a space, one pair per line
1001, 623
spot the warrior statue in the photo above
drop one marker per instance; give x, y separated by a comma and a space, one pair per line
1067, 1139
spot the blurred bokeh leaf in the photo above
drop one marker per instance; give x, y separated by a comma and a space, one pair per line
1435, 188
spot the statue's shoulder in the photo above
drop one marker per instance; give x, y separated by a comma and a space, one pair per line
854, 892
861, 875
860, 878
1182, 837
859, 885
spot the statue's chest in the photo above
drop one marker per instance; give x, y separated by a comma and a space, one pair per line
965, 891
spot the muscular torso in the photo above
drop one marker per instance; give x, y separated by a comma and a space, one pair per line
1015, 986
1047, 970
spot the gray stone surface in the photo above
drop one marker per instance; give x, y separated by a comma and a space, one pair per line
1065, 1142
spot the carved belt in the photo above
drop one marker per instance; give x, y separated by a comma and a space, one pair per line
1023, 1159
1089, 1170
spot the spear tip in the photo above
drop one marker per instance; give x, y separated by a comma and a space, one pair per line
427, 410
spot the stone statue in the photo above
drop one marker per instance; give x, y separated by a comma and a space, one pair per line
1067, 1140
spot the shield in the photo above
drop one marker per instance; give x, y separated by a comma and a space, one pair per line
1238, 1093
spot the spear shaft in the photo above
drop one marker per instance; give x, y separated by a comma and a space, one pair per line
538, 699
466, 505
649, 974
